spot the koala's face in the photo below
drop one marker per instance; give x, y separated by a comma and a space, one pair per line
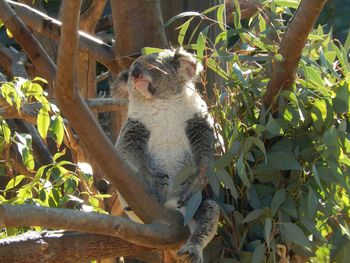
162, 75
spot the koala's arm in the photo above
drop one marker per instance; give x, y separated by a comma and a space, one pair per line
201, 136
132, 146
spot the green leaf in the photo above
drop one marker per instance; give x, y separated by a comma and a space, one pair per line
182, 32
183, 175
258, 255
43, 122
227, 181
57, 126
201, 42
39, 173
220, 17
6, 131
282, 161
260, 144
254, 215
287, 3
267, 230
240, 167
28, 158
184, 14
273, 127
214, 182
58, 155
223, 161
294, 234
150, 50
15, 181
312, 203
277, 201
317, 177
192, 206
341, 101
342, 252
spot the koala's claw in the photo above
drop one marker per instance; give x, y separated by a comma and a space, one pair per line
190, 253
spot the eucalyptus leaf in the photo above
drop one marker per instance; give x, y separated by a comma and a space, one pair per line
192, 206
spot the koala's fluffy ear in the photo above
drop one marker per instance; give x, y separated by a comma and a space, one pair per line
189, 66
119, 85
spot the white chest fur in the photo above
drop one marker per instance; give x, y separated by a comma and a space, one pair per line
168, 145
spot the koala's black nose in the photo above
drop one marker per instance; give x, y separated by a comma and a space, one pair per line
136, 71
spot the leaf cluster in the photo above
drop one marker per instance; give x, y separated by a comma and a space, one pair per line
281, 179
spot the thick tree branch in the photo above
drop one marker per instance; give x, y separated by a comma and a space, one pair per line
5, 60
50, 27
155, 235
28, 42
86, 126
248, 9
292, 44
73, 247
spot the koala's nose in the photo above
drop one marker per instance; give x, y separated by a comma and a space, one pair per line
136, 71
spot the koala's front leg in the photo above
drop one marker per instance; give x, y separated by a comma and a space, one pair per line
201, 136
132, 146
203, 228
205, 222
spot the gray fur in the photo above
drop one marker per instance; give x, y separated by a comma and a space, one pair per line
168, 129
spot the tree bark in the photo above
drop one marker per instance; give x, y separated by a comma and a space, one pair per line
291, 47
58, 245
50, 27
86, 72
28, 42
155, 235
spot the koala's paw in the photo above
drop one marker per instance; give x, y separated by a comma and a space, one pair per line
190, 253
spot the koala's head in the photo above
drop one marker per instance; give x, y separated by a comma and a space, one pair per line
162, 75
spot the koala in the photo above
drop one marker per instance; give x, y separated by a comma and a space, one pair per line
168, 128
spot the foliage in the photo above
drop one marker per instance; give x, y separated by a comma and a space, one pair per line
58, 184
282, 179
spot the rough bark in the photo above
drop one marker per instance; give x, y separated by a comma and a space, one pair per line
248, 9
155, 235
58, 245
291, 47
5, 60
86, 72
28, 42
50, 27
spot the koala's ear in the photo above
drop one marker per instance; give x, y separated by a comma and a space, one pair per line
189, 66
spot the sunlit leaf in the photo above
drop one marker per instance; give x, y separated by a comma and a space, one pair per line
43, 122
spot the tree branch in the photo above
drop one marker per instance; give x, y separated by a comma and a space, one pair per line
28, 42
292, 44
86, 126
50, 27
73, 247
155, 235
